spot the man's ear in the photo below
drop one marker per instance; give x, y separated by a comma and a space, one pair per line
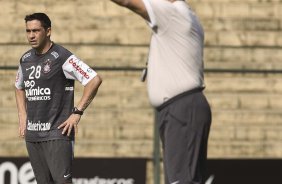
48, 32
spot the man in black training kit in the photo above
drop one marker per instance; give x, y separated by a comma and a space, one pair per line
44, 91
175, 85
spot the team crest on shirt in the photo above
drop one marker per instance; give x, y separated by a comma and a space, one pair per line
47, 66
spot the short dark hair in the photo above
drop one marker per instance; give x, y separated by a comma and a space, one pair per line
42, 17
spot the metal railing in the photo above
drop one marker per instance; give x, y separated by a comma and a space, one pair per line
207, 70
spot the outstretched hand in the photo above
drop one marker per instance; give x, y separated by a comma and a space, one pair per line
70, 123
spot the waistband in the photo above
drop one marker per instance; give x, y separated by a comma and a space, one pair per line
173, 99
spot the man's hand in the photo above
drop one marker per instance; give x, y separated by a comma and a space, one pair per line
70, 123
22, 129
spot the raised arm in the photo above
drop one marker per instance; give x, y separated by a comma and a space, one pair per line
137, 6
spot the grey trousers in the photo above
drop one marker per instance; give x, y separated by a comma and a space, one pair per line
184, 126
51, 161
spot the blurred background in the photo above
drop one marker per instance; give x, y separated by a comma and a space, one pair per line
243, 75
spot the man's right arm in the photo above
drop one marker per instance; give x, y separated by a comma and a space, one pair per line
137, 6
21, 102
21, 105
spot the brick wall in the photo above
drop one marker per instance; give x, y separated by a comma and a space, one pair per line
240, 35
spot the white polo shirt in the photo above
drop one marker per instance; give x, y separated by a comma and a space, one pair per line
176, 50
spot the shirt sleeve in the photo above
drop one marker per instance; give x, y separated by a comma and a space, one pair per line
19, 83
76, 69
160, 12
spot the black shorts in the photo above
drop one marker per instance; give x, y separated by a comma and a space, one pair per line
51, 161
184, 126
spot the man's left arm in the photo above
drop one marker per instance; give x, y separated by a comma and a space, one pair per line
89, 93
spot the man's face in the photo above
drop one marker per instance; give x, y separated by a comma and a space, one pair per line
36, 35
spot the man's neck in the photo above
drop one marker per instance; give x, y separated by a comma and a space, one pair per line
45, 49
